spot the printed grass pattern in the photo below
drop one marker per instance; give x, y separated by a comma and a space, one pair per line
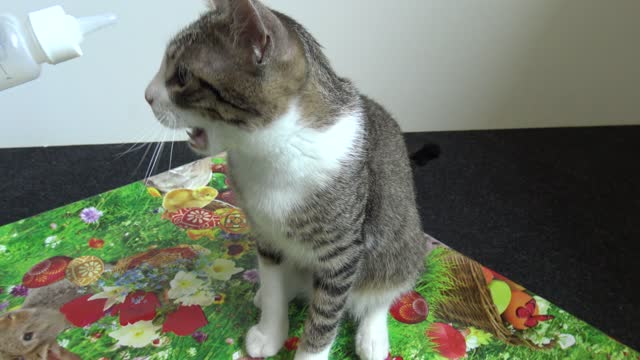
191, 295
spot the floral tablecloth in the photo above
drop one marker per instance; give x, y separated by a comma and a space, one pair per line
166, 269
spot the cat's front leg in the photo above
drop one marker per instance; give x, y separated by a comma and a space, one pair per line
331, 287
268, 336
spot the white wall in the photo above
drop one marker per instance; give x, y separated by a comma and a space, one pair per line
436, 64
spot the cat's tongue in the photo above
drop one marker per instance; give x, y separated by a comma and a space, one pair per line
198, 138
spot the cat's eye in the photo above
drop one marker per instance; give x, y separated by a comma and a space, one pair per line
183, 75
27, 336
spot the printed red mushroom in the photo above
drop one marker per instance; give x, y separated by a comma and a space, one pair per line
195, 219
228, 197
292, 343
96, 243
46, 272
410, 308
449, 342
219, 168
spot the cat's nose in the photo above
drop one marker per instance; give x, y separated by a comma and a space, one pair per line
148, 96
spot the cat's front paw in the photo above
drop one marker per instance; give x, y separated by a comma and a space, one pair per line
372, 344
257, 300
303, 355
261, 345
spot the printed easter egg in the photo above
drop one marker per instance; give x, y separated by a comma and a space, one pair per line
46, 272
234, 222
410, 308
218, 181
500, 294
195, 219
85, 270
449, 342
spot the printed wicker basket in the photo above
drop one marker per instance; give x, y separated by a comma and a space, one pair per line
469, 301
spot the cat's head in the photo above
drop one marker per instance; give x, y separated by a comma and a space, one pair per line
237, 65
27, 333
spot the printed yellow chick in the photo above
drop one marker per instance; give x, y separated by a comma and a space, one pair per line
187, 198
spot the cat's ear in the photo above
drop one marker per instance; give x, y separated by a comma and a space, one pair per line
249, 29
221, 6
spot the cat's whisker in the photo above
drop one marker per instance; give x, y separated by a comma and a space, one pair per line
155, 159
156, 152
144, 156
139, 144
173, 140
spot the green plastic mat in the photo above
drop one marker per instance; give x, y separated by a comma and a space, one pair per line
167, 270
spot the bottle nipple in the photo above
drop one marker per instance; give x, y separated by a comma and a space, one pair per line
89, 24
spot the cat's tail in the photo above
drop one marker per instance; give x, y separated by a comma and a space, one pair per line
423, 156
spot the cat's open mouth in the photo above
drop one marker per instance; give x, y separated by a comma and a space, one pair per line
198, 138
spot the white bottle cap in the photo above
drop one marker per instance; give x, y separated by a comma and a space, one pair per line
60, 35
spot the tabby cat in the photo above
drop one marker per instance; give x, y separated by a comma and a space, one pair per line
321, 170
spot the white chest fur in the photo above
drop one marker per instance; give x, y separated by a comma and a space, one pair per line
277, 167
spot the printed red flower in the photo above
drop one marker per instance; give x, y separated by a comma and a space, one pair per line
81, 312
114, 310
528, 312
138, 306
389, 357
292, 343
96, 243
185, 321
449, 342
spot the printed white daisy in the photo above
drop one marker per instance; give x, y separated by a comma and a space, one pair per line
52, 242
63, 343
162, 355
113, 295
566, 341
136, 335
184, 284
201, 297
223, 269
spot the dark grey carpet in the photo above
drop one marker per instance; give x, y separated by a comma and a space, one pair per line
556, 209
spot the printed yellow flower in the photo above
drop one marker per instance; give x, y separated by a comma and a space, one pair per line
184, 284
223, 269
136, 335
201, 297
219, 299
154, 192
113, 294
236, 249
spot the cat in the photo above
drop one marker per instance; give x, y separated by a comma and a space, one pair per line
321, 170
